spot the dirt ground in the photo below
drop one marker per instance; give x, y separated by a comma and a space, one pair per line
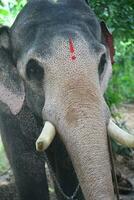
124, 165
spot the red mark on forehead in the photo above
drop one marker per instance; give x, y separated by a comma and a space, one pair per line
72, 49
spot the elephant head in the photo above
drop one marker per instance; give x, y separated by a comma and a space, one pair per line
56, 57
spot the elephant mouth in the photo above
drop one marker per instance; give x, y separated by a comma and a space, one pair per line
48, 133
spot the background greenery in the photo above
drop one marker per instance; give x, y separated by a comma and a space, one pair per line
119, 17
4, 165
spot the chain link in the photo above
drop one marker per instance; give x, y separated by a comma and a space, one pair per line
72, 197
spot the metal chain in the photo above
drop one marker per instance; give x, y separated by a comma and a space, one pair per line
113, 168
72, 197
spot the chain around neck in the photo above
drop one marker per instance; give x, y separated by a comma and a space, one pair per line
72, 197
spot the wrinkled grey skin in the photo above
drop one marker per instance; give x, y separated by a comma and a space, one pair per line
39, 82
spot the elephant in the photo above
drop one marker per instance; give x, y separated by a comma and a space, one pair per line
55, 64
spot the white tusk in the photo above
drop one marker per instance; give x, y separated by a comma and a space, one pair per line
46, 137
120, 135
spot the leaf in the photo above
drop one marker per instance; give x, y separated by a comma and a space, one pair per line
4, 12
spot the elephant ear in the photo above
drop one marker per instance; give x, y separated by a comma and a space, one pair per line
107, 40
12, 91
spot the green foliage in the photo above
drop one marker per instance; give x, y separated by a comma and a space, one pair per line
121, 150
121, 87
4, 165
9, 9
119, 15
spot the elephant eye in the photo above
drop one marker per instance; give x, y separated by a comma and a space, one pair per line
102, 63
34, 71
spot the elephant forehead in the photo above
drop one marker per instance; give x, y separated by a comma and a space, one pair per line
70, 52
72, 64
41, 20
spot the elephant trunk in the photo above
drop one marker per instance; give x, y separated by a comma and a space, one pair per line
82, 128
87, 146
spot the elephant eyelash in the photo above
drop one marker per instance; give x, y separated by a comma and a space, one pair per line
34, 71
102, 63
